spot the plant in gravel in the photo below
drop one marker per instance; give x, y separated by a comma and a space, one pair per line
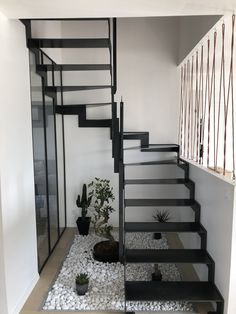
83, 202
101, 194
162, 216
82, 279
82, 283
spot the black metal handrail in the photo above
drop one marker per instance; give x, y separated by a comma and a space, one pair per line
121, 184
122, 131
115, 121
114, 55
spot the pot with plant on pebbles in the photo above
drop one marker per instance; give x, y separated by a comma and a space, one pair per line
162, 217
83, 222
82, 282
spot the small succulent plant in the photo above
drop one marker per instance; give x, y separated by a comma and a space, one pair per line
162, 216
83, 202
81, 279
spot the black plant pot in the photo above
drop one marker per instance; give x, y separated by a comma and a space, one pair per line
82, 289
157, 236
156, 277
106, 252
83, 225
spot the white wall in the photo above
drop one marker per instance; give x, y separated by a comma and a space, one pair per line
48, 29
3, 298
232, 286
216, 197
147, 76
16, 168
191, 30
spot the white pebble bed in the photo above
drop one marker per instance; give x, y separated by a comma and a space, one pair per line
106, 284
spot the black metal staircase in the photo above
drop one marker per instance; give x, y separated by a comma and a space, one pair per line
193, 291
51, 90
137, 290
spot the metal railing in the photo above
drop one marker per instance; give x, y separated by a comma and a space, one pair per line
207, 114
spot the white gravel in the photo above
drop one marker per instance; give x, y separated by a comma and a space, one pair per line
106, 285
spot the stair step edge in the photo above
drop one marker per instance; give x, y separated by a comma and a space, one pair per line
164, 227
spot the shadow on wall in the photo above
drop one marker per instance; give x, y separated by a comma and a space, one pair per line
191, 30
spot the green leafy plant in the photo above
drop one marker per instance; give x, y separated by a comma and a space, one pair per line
162, 216
82, 279
83, 202
102, 195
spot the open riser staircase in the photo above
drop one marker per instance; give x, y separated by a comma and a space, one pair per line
193, 291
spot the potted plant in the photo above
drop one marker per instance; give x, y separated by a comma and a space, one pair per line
102, 196
156, 276
162, 217
83, 222
82, 282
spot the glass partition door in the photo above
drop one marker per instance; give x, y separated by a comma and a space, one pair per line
49, 169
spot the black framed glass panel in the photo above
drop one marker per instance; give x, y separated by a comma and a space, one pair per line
40, 175
52, 171
60, 156
49, 156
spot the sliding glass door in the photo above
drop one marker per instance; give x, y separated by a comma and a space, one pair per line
49, 169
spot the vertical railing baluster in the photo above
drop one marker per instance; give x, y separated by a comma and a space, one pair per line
192, 112
196, 108
232, 98
122, 196
121, 184
230, 85
181, 111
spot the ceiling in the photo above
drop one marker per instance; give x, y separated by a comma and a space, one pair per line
109, 8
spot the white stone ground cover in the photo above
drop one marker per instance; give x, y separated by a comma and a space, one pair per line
106, 286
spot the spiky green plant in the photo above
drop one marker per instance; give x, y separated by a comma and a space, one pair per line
83, 202
81, 279
102, 195
162, 216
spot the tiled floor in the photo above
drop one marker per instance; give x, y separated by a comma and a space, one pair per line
34, 303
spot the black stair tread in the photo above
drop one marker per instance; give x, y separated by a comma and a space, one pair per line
77, 109
88, 105
161, 148
68, 43
195, 256
74, 88
136, 136
74, 67
157, 181
161, 145
96, 123
164, 227
159, 202
74, 19
170, 290
156, 162
135, 133
96, 104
